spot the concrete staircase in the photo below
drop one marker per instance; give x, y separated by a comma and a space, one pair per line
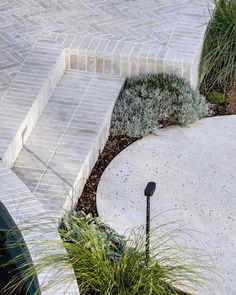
62, 149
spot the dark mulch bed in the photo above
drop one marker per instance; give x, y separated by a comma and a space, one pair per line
114, 146
219, 109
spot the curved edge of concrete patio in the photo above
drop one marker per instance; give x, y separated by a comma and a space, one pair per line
195, 171
27, 212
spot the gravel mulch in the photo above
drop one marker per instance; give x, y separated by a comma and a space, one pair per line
114, 146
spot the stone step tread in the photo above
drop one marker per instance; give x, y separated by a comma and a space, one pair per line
63, 146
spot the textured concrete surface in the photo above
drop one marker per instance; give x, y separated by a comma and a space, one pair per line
195, 169
63, 147
168, 30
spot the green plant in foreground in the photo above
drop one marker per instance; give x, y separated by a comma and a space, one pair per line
151, 101
106, 263
218, 61
216, 97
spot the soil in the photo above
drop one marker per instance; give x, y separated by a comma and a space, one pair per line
114, 146
231, 98
222, 109
219, 109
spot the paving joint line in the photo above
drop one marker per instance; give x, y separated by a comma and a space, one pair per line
29, 53
64, 133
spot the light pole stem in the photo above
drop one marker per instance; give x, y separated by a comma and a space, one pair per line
148, 229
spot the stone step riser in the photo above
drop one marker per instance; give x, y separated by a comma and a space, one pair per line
36, 101
131, 65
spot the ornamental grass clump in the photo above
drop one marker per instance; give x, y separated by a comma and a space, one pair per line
218, 60
150, 102
106, 263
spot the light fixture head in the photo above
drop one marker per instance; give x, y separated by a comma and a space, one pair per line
150, 189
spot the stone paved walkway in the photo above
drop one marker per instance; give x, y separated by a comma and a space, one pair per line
195, 171
174, 28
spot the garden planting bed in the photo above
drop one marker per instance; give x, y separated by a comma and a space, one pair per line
133, 103
114, 146
141, 109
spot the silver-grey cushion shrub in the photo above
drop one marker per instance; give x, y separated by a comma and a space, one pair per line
152, 101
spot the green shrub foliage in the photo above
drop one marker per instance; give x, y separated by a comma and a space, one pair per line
216, 97
106, 263
80, 224
152, 101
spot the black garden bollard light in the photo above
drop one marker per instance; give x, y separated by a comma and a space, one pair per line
148, 192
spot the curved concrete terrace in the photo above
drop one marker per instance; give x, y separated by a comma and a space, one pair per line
196, 186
